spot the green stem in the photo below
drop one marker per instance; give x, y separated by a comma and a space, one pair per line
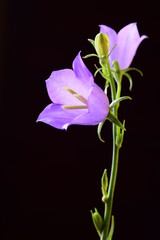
108, 75
115, 157
109, 202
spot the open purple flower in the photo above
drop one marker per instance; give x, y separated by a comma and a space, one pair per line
76, 98
127, 41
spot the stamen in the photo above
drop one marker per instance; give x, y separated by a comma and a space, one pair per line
69, 90
75, 107
79, 97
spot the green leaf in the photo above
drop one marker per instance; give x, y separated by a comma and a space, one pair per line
118, 100
111, 229
115, 120
99, 129
90, 55
97, 221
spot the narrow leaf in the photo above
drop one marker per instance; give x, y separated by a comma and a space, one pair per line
118, 100
111, 230
115, 120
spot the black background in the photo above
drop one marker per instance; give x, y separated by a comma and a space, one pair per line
50, 179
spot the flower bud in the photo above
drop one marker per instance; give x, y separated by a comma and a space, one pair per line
104, 182
98, 221
102, 45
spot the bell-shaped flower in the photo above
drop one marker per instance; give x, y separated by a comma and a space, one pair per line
123, 46
76, 99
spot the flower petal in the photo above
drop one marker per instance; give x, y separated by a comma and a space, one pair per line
127, 44
82, 71
98, 104
80, 81
57, 117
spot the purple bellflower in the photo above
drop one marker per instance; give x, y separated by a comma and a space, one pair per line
76, 98
125, 42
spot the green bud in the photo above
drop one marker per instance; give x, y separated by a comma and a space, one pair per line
97, 221
102, 45
104, 182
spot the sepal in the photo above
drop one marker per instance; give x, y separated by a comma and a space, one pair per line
127, 75
99, 70
97, 221
134, 69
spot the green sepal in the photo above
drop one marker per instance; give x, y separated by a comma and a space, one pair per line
130, 80
104, 183
115, 120
97, 221
134, 69
99, 129
125, 73
99, 70
92, 42
90, 55
118, 100
110, 235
